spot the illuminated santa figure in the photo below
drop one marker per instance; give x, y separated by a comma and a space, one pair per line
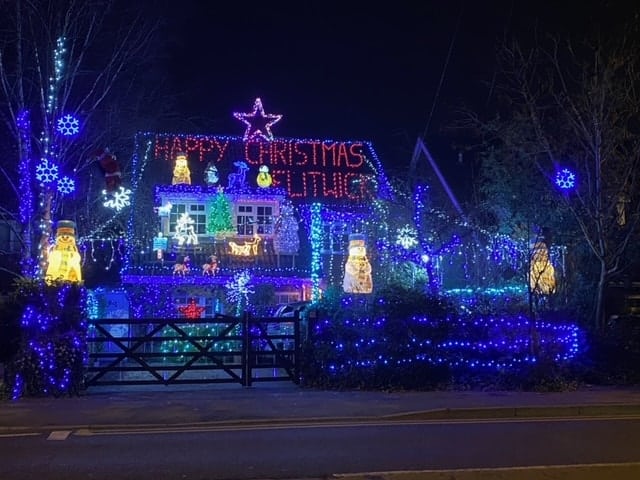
64, 257
357, 271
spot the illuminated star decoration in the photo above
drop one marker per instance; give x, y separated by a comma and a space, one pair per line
191, 309
565, 179
68, 125
407, 237
121, 198
258, 123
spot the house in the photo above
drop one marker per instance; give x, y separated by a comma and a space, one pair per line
217, 218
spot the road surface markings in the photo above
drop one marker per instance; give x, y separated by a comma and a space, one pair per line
10, 435
167, 429
623, 470
59, 435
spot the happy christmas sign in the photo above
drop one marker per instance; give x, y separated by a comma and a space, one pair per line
306, 169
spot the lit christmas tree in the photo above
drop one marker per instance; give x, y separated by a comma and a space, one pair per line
286, 240
220, 221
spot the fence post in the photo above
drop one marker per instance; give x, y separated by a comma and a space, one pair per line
296, 349
246, 351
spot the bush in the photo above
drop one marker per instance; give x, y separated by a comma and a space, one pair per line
51, 350
401, 339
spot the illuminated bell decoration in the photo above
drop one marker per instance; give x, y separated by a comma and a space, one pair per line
542, 277
264, 177
258, 123
357, 271
181, 172
64, 258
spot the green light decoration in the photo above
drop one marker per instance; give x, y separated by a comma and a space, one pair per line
316, 245
220, 222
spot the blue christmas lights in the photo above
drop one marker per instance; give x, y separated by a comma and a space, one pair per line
68, 125
565, 179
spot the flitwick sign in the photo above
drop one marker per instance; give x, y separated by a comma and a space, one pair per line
306, 169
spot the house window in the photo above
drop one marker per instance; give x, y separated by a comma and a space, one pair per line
252, 219
196, 212
245, 220
264, 219
335, 238
284, 297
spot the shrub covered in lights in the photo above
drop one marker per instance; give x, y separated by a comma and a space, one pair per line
51, 349
405, 339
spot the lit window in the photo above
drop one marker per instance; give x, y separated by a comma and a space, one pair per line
196, 212
254, 218
335, 237
245, 220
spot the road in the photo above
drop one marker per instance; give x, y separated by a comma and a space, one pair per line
319, 450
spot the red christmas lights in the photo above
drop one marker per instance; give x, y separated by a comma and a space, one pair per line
191, 309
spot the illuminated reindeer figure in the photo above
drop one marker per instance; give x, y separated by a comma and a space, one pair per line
249, 247
182, 268
212, 267
238, 179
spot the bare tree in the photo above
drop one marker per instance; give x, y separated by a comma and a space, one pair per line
577, 106
61, 62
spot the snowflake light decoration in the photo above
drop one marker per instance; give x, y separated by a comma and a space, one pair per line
46, 172
565, 179
66, 185
121, 199
68, 125
238, 289
407, 237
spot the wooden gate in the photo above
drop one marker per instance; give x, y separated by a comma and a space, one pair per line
223, 349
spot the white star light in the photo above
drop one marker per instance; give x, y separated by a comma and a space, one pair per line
68, 125
121, 199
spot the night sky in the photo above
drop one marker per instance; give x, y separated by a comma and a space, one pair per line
378, 72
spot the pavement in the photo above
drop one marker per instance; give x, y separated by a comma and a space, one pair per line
283, 402
105, 408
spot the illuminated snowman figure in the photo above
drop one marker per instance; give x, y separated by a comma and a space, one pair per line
211, 174
64, 258
181, 172
264, 177
357, 271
